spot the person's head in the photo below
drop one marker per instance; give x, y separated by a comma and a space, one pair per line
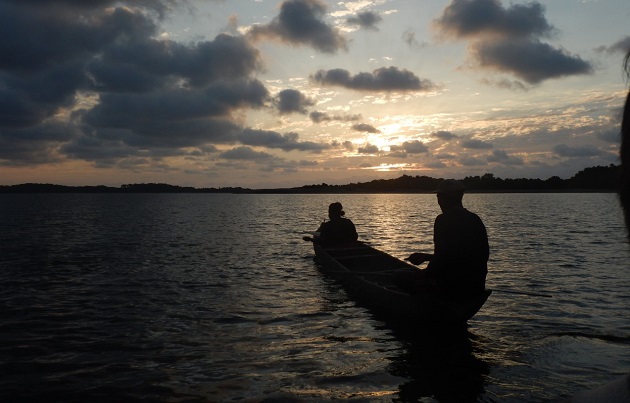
335, 210
450, 194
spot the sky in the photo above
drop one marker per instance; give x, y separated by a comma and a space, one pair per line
285, 93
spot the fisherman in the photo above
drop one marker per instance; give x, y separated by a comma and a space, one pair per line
459, 263
338, 230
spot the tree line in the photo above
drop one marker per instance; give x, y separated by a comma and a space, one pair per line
593, 179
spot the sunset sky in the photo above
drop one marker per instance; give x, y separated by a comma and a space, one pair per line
260, 93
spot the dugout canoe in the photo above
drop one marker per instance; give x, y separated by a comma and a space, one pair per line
365, 272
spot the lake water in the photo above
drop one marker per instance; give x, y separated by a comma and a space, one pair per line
215, 298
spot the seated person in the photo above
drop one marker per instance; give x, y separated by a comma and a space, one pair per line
338, 230
458, 266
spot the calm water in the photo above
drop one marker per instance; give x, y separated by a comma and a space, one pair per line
186, 298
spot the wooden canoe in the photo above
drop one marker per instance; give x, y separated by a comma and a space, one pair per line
363, 270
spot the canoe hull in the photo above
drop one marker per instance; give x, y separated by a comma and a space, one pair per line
375, 289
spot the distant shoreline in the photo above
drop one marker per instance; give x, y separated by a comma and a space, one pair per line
89, 190
597, 179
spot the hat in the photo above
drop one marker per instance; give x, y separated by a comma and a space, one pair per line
451, 186
336, 207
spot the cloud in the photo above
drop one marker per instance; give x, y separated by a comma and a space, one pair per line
34, 145
621, 46
319, 117
175, 117
531, 61
300, 22
347, 145
384, 79
564, 150
476, 144
472, 161
408, 147
365, 20
444, 135
224, 58
97, 71
612, 136
409, 37
292, 101
472, 18
245, 153
507, 39
364, 127
368, 149
513, 85
270, 139
414, 147
503, 157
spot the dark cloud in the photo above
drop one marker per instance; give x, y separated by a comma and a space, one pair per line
621, 46
368, 149
444, 135
414, 147
472, 18
382, 79
408, 147
564, 150
147, 97
300, 22
218, 100
501, 156
507, 39
411, 147
34, 145
472, 161
176, 117
286, 142
396, 152
245, 153
293, 101
612, 136
225, 58
476, 144
366, 20
364, 127
410, 39
513, 85
36, 37
347, 145
530, 60
435, 164
319, 117
29, 99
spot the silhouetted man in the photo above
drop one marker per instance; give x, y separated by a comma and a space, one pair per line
459, 264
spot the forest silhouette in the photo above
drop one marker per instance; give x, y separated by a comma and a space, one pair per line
593, 179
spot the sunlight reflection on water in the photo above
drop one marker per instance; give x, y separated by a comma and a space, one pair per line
171, 297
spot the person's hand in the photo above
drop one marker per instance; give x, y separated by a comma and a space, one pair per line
419, 258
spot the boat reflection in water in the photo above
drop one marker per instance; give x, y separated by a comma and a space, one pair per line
437, 355
440, 363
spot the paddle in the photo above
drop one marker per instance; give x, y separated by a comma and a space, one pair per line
362, 273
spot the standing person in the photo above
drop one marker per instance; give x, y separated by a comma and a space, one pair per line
459, 264
624, 153
338, 230
618, 390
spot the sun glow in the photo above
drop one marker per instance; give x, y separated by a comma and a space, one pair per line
388, 167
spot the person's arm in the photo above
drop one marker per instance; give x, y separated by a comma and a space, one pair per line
355, 235
419, 257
